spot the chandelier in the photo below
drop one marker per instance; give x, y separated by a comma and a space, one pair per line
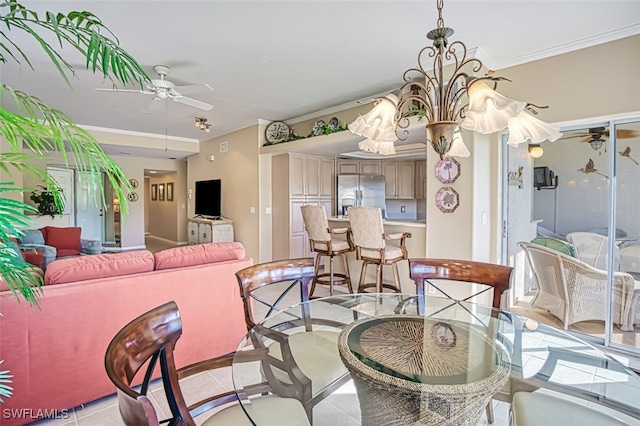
449, 101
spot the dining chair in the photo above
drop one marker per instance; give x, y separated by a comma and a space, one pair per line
536, 408
308, 361
373, 249
574, 291
150, 339
323, 241
429, 272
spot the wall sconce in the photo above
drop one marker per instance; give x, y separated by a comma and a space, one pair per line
535, 150
202, 123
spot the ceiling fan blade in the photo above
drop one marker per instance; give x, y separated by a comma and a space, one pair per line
193, 88
626, 133
193, 103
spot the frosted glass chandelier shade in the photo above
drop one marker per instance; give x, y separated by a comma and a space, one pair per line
458, 148
525, 127
384, 148
489, 111
378, 125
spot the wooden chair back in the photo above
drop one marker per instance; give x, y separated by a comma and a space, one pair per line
142, 343
296, 271
494, 276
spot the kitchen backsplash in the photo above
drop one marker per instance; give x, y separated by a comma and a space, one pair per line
395, 209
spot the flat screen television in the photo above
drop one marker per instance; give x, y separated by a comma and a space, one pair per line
542, 177
208, 198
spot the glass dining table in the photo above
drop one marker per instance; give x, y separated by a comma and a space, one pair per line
445, 359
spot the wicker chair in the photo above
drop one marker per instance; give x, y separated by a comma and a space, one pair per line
322, 241
592, 249
371, 247
630, 259
151, 338
574, 291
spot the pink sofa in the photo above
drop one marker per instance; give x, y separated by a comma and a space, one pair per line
56, 352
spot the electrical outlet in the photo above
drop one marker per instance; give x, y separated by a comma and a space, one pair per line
252, 210
402, 209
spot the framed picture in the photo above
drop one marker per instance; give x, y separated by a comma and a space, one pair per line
170, 191
161, 192
154, 192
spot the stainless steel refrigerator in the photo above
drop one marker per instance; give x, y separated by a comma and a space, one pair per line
360, 190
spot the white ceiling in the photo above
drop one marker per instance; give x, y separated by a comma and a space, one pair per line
277, 60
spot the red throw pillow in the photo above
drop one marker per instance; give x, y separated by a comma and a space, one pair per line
65, 239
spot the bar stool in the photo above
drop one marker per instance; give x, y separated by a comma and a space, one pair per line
322, 241
370, 241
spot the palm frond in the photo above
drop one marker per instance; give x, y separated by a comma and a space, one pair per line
5, 378
83, 31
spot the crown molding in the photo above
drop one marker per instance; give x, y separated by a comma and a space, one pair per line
571, 46
142, 134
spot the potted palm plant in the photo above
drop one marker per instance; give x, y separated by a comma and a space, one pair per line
31, 128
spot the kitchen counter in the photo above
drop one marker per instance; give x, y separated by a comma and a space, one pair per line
388, 222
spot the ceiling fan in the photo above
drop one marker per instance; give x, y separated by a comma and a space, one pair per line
163, 89
595, 136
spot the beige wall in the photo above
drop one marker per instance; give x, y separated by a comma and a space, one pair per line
597, 81
238, 169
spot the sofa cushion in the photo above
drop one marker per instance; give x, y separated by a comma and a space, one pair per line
98, 266
32, 236
198, 254
66, 240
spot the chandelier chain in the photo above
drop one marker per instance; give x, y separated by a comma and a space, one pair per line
440, 5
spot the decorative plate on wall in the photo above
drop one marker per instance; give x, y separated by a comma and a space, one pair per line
447, 199
447, 170
316, 130
277, 132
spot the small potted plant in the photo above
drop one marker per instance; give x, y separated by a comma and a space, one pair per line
45, 201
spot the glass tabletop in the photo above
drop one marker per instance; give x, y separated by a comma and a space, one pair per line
446, 350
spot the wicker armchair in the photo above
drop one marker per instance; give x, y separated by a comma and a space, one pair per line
593, 249
573, 291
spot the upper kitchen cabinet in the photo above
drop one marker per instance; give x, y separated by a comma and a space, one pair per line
304, 175
399, 179
327, 177
367, 167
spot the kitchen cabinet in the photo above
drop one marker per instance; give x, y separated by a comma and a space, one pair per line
399, 179
202, 231
367, 167
421, 179
298, 180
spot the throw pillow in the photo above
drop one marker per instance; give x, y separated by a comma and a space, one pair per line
32, 236
65, 240
564, 247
